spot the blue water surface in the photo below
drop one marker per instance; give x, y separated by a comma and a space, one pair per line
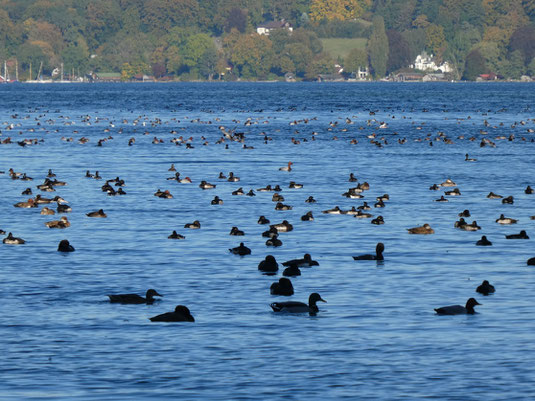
377, 337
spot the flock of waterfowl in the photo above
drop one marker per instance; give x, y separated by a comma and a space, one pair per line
269, 265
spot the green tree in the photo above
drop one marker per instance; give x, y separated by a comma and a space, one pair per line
357, 58
523, 40
399, 52
300, 55
531, 67
208, 63
322, 64
435, 40
194, 48
475, 65
378, 48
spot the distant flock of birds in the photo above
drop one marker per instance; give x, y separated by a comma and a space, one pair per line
269, 265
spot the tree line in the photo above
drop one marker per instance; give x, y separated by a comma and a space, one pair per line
217, 39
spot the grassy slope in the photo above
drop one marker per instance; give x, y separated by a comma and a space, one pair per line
342, 46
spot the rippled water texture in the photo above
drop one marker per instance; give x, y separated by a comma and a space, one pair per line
377, 337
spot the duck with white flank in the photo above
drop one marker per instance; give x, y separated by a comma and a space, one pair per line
11, 240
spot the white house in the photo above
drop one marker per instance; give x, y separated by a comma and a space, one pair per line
267, 27
425, 62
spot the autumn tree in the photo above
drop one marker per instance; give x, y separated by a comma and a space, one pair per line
435, 40
523, 40
237, 18
378, 48
338, 9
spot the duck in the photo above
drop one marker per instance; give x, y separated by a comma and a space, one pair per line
485, 288
383, 198
65, 246
172, 168
277, 197
47, 212
206, 185
352, 178
180, 314
434, 187
425, 229
334, 210
528, 190
505, 220
270, 233
521, 235
441, 199
299, 307
531, 262
458, 309
470, 227
274, 241
165, 194
222, 176
306, 261
483, 241
263, 220
362, 215
240, 250
61, 223
269, 264
250, 193
453, 192
64, 209
186, 180
295, 185
175, 235
469, 159
239, 191
232, 177
448, 183
492, 195
267, 188
310, 199
97, 214
307, 216
286, 168
236, 231
464, 213
379, 249
285, 226
283, 287
509, 200
216, 201
291, 271
176, 177
281, 206
50, 173
26, 205
27, 191
194, 226
378, 220
364, 206
11, 240
134, 298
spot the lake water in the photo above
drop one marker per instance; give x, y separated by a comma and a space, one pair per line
377, 337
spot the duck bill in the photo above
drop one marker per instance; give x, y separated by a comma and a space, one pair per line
322, 300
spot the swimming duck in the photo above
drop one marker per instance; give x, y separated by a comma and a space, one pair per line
469, 159
294, 185
448, 183
134, 298
281, 206
509, 200
505, 220
464, 213
378, 220
492, 195
291, 271
283, 287
186, 180
383, 198
11, 240
364, 206
425, 229
58, 199
528, 190
181, 314
172, 168
441, 199
283, 227
277, 198
299, 307
50, 173
239, 191
453, 192
483, 241
274, 241
268, 265
267, 188
287, 168
380, 203
165, 195
26, 205
306, 261
270, 233
98, 214
458, 309
236, 231
307, 217
334, 210
470, 227
176, 177
175, 235
485, 288
362, 215
65, 246
64, 209
250, 193
434, 187
206, 185
232, 177
521, 235
262, 220
352, 177
352, 194
310, 199
27, 191
47, 211
195, 225
240, 250
380, 247
216, 201
222, 176
531, 262
62, 223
